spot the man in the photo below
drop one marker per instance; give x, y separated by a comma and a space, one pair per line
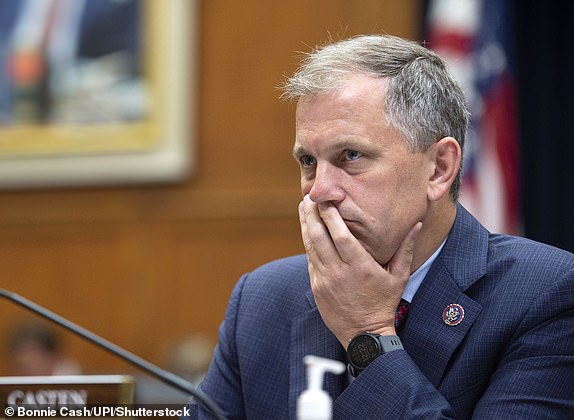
490, 328
34, 349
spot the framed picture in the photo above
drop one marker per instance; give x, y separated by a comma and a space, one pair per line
96, 92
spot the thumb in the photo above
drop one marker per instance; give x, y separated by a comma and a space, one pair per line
400, 264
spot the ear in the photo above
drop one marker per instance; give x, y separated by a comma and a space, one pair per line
445, 157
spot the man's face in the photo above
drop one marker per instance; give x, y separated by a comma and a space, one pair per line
349, 156
30, 359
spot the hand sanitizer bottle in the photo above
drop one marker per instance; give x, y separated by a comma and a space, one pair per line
314, 403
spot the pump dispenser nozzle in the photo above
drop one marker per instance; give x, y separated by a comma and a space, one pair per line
314, 403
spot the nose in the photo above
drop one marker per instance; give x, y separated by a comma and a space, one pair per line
326, 186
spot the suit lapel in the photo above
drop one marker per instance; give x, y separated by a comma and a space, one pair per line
427, 338
309, 335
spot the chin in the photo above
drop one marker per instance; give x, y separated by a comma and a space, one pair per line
375, 253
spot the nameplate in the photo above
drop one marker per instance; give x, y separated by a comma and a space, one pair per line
33, 394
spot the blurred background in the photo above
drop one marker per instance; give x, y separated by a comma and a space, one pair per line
147, 265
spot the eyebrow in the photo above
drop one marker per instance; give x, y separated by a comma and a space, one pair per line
337, 145
298, 151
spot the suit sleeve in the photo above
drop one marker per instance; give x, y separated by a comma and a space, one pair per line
222, 382
392, 387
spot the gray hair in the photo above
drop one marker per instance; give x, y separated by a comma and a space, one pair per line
423, 101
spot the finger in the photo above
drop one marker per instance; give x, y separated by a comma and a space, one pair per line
303, 223
400, 264
316, 238
348, 247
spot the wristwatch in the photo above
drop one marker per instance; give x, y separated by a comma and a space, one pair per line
366, 347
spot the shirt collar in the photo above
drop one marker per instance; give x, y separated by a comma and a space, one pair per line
418, 276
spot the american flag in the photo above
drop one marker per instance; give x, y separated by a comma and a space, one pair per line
473, 36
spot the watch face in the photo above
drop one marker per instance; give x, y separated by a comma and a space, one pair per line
362, 350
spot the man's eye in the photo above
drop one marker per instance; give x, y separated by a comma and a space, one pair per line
307, 160
352, 155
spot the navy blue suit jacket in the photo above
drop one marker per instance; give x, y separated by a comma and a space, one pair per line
512, 356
